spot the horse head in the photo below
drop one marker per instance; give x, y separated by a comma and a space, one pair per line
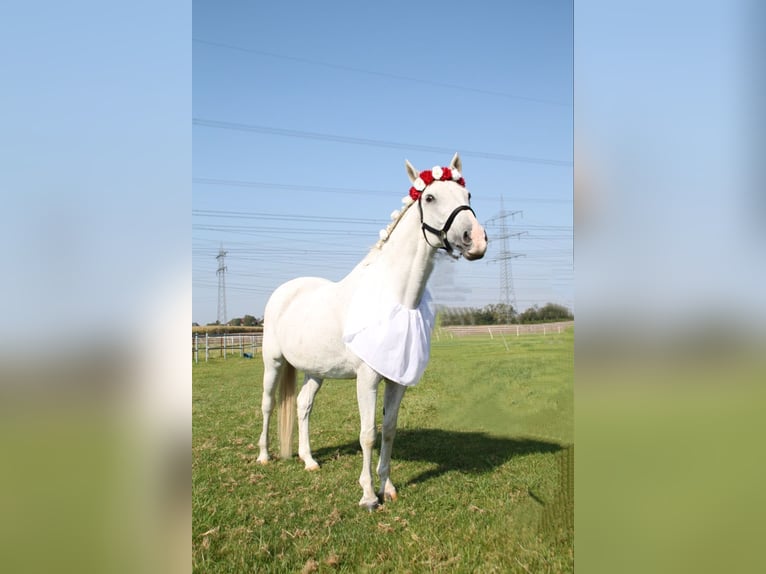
447, 219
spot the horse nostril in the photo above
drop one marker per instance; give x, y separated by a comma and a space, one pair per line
466, 237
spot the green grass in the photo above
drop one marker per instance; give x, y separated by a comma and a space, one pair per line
482, 460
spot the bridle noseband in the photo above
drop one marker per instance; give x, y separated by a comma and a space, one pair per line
442, 233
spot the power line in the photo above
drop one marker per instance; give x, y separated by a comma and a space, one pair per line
347, 190
409, 79
291, 187
260, 230
282, 217
288, 231
218, 124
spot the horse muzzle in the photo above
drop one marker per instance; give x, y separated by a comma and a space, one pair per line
475, 244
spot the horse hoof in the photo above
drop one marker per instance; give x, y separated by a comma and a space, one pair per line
390, 497
370, 506
263, 461
310, 464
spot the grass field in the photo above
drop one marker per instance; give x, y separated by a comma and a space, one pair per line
483, 462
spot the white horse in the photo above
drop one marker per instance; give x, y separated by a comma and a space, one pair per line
373, 324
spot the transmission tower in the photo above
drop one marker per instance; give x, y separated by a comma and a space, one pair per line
505, 256
221, 272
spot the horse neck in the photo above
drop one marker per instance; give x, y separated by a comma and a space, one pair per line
406, 260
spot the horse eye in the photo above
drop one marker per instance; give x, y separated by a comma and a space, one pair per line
429, 198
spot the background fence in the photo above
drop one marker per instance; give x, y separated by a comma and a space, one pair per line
493, 330
241, 344
248, 344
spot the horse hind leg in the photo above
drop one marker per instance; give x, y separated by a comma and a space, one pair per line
271, 374
311, 386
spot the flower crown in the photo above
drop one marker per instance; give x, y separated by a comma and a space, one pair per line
429, 176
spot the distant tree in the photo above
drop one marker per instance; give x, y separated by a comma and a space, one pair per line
249, 321
501, 313
531, 315
213, 324
446, 317
236, 322
195, 324
550, 312
467, 316
483, 316
451, 316
554, 312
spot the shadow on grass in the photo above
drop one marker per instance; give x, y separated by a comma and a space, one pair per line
468, 452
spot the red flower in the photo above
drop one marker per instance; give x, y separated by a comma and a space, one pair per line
414, 193
427, 177
461, 181
446, 174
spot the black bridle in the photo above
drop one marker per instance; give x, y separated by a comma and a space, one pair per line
442, 233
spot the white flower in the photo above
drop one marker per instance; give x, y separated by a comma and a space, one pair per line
437, 172
419, 184
406, 200
383, 234
395, 214
456, 175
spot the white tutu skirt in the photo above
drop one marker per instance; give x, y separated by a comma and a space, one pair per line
393, 340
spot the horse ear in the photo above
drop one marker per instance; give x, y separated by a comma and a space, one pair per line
411, 171
456, 163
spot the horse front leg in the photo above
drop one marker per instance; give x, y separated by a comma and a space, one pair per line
367, 382
392, 399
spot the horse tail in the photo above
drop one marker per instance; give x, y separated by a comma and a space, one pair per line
287, 406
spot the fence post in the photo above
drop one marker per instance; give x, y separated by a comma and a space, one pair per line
196, 347
517, 330
224, 345
241, 347
252, 340
490, 334
207, 347
544, 333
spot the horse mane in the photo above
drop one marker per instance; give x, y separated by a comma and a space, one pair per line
385, 234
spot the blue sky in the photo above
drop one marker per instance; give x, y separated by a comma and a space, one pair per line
415, 81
